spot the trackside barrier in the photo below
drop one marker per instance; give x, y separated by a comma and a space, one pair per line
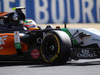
57, 11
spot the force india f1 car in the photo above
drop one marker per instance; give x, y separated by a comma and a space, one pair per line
53, 45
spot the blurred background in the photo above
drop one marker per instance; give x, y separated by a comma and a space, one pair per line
56, 11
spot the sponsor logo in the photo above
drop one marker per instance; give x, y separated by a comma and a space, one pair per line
95, 39
16, 37
2, 39
35, 54
85, 53
57, 11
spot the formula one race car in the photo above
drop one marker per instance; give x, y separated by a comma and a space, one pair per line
53, 45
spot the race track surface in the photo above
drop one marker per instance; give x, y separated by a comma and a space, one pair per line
81, 67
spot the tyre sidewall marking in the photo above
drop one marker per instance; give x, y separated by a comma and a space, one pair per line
56, 55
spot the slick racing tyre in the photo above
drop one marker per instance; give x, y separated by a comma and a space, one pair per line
56, 47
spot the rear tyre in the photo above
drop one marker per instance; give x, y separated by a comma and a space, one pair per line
56, 47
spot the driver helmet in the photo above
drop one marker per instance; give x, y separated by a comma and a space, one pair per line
49, 27
30, 24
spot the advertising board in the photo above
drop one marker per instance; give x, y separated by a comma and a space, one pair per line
57, 11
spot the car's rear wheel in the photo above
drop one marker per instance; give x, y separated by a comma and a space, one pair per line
56, 47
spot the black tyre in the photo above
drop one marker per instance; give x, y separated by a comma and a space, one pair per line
56, 47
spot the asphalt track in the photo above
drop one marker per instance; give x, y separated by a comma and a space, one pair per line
81, 67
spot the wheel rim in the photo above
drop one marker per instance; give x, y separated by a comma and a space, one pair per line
50, 48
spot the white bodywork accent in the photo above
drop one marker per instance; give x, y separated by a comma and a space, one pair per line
16, 37
87, 40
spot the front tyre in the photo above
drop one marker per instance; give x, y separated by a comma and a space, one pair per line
56, 47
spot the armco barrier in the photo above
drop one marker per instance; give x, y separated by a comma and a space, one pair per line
57, 11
